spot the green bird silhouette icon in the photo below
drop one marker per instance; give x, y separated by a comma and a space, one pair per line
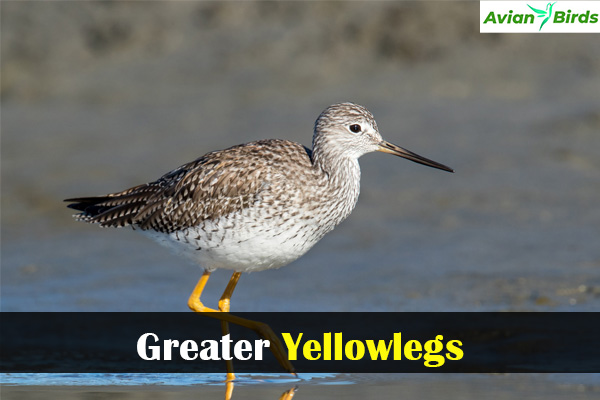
541, 13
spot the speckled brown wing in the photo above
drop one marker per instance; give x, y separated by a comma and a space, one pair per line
122, 208
212, 186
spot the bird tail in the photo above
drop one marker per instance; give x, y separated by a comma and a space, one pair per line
92, 209
91, 206
111, 210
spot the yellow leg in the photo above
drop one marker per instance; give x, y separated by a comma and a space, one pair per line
224, 304
225, 300
228, 390
263, 330
288, 394
194, 301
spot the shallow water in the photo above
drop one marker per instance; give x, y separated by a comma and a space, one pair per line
512, 229
351, 386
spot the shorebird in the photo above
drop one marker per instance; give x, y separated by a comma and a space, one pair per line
253, 206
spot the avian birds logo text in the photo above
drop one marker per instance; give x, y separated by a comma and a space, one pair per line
513, 16
543, 14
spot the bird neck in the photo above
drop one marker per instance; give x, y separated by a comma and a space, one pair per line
326, 155
339, 170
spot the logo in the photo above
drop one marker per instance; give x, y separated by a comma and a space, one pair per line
532, 16
543, 14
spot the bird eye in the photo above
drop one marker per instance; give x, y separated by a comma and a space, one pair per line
355, 128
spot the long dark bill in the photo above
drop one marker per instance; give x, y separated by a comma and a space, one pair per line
387, 147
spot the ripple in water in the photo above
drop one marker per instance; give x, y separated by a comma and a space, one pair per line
43, 379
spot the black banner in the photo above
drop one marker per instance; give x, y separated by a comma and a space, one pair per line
314, 342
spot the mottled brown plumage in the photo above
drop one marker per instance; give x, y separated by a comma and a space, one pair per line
253, 206
214, 185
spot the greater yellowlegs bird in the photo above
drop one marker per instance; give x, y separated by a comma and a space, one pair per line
254, 206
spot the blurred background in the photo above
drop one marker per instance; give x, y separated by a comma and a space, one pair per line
100, 96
